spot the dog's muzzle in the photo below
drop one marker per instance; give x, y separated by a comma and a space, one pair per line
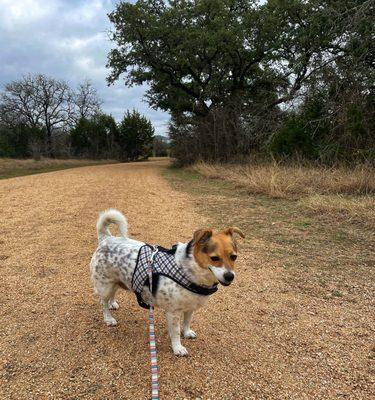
224, 275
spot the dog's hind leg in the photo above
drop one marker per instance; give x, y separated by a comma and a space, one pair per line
113, 304
106, 292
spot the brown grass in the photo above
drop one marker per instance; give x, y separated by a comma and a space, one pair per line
356, 208
306, 284
11, 167
281, 181
330, 192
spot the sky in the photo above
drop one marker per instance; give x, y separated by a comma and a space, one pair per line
67, 40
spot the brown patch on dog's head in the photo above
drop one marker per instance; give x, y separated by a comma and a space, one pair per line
216, 249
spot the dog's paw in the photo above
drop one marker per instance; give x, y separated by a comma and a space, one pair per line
114, 305
189, 334
110, 321
180, 351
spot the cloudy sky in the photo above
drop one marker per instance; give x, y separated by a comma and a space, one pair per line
66, 39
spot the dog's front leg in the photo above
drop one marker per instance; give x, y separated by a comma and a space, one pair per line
186, 331
173, 319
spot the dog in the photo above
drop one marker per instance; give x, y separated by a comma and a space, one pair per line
205, 261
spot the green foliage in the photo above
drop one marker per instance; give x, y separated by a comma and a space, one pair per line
101, 137
199, 55
224, 67
293, 138
318, 131
134, 137
79, 137
94, 137
18, 139
6, 147
303, 132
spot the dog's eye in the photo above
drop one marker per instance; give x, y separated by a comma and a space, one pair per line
233, 257
215, 258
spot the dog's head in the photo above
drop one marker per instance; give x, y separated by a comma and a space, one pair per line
217, 252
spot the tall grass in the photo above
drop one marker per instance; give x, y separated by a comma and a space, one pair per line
293, 181
333, 192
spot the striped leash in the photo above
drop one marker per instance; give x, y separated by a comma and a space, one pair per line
153, 353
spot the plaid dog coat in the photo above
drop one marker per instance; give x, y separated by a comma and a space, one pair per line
164, 263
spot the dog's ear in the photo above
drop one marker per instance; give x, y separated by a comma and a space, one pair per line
201, 236
233, 229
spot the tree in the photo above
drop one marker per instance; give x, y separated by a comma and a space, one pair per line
95, 137
40, 102
43, 110
221, 57
335, 118
86, 100
135, 137
198, 55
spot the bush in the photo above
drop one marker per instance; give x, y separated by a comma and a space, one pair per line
135, 137
303, 133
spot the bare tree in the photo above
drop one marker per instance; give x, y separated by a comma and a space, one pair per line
18, 101
86, 100
42, 102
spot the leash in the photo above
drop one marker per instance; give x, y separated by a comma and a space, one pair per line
152, 342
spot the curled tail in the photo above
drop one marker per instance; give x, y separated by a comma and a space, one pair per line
111, 216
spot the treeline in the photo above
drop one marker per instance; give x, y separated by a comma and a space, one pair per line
286, 78
42, 116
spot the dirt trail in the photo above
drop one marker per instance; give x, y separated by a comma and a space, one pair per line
53, 343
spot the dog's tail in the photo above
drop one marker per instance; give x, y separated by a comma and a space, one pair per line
111, 216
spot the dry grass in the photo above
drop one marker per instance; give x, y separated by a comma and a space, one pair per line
356, 208
306, 284
280, 181
10, 167
331, 192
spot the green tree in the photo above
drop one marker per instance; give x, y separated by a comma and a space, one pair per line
225, 58
95, 137
198, 55
19, 140
135, 137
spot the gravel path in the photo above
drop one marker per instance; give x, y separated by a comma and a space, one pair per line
53, 343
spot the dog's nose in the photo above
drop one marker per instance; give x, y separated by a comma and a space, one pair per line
229, 276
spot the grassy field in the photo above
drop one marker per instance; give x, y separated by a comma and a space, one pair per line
320, 244
10, 167
332, 192
324, 241
293, 181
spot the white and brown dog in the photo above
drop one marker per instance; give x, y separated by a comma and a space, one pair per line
206, 260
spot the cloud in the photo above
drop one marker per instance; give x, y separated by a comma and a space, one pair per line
24, 12
67, 39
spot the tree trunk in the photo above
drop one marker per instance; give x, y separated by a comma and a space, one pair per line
232, 114
50, 151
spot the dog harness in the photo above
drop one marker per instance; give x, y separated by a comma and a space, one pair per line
164, 263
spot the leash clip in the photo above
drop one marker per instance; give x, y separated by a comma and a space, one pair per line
156, 250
